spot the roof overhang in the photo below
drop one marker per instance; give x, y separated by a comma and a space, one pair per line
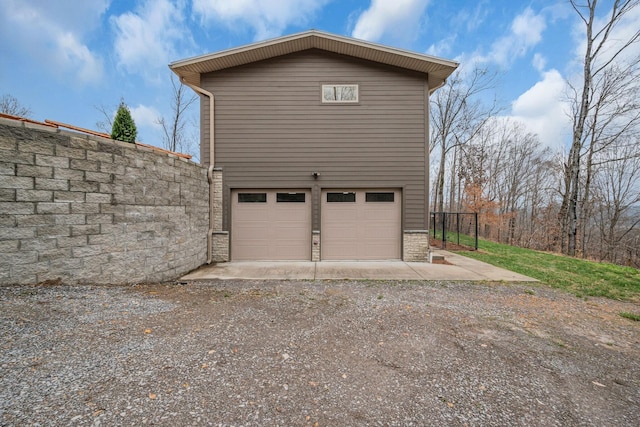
436, 69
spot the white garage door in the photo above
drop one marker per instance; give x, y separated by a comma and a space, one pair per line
271, 225
361, 225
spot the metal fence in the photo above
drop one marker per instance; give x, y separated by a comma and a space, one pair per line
460, 228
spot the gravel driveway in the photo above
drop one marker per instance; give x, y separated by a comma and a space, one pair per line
322, 353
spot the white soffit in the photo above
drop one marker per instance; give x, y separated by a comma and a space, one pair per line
190, 69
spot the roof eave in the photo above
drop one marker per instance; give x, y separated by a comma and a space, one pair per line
190, 69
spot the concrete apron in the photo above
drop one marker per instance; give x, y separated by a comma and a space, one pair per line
462, 268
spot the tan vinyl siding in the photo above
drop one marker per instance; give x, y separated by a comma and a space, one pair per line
272, 130
204, 130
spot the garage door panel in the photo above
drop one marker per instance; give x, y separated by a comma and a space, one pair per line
357, 229
385, 215
286, 234
271, 230
258, 216
341, 232
373, 236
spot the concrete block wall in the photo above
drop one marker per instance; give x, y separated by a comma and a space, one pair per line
92, 210
415, 245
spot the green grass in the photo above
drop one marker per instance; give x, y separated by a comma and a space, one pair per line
462, 239
631, 316
580, 277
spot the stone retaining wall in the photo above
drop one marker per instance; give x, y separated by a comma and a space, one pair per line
91, 210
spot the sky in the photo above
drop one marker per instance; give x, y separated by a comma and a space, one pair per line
64, 59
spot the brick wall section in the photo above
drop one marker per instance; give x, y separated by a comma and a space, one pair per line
220, 238
92, 210
315, 245
217, 199
220, 245
416, 245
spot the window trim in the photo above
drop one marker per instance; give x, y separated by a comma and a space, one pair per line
334, 101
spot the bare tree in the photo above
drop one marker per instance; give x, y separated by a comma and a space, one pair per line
593, 100
618, 190
175, 128
10, 105
457, 115
504, 172
108, 114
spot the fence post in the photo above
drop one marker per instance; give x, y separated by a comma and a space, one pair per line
476, 215
444, 230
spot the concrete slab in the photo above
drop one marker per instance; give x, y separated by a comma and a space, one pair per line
281, 270
460, 268
487, 271
379, 270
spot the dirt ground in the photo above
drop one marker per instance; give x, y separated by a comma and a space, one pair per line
322, 353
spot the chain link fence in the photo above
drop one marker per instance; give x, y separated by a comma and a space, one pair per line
459, 228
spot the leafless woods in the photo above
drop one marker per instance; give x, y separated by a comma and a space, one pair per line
581, 198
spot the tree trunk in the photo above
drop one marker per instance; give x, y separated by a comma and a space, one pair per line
439, 205
570, 200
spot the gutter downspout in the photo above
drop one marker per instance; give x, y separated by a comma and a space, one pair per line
431, 90
211, 165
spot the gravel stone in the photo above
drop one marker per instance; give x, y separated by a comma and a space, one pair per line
316, 353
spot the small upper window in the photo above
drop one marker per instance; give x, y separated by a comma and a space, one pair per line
346, 197
339, 93
379, 197
290, 198
252, 197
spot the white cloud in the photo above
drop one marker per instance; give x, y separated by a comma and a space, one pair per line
145, 116
267, 18
544, 111
146, 40
539, 62
397, 19
528, 28
88, 66
526, 32
443, 47
53, 32
469, 19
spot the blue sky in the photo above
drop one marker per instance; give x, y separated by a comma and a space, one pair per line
61, 58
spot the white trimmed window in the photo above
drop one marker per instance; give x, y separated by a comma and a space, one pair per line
339, 93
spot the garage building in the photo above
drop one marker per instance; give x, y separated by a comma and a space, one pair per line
317, 148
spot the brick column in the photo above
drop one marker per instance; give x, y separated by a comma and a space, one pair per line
315, 245
220, 238
416, 245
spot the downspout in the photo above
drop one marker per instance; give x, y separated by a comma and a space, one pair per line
431, 90
211, 165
